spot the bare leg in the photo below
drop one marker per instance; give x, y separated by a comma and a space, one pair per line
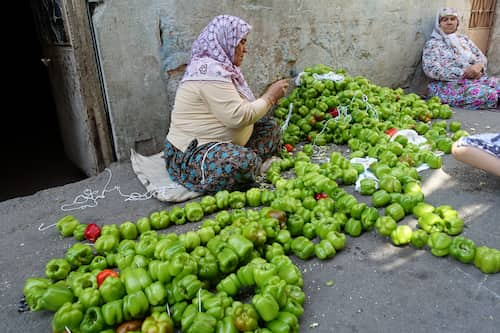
477, 158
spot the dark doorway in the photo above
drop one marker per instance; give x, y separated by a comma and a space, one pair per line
33, 154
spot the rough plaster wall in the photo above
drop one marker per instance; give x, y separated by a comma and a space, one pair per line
145, 46
494, 49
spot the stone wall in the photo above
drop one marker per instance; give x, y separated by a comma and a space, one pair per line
144, 47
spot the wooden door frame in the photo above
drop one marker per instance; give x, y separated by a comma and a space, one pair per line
87, 67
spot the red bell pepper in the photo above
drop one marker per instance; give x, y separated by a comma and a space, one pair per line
102, 275
92, 232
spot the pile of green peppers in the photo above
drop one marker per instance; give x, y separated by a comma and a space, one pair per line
197, 280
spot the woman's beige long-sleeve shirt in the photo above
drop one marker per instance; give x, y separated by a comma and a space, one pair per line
212, 111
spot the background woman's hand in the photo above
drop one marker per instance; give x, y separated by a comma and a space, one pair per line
275, 91
473, 72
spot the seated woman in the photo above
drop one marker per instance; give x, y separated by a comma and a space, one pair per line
480, 151
457, 67
219, 132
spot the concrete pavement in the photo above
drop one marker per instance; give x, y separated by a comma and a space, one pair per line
377, 287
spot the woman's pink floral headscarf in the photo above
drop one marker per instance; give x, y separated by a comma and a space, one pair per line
212, 54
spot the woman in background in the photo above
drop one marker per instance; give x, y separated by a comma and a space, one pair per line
457, 67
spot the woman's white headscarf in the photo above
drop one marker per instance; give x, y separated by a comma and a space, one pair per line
452, 39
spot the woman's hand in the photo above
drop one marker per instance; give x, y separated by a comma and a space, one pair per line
474, 72
275, 91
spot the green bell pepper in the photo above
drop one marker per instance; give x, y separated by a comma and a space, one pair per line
185, 288
159, 220
263, 271
190, 239
92, 321
208, 204
369, 217
439, 242
165, 249
222, 199
79, 254
422, 208
155, 293
353, 227
112, 312
230, 285
111, 229
419, 238
182, 264
135, 305
202, 322
67, 225
178, 215
106, 243
380, 198
69, 316
385, 225
143, 224
396, 211
463, 249
98, 263
431, 222
206, 234
79, 232
50, 298
207, 263
273, 250
368, 186
487, 259
266, 306
89, 298
112, 289
237, 200
254, 232
253, 197
159, 271
241, 246
401, 235
245, 316
135, 279
158, 322
453, 225
337, 239
324, 250
128, 230
57, 269
146, 247
245, 275
82, 282
226, 325
277, 290
302, 247
194, 211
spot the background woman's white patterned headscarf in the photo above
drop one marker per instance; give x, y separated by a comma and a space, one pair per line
212, 54
452, 39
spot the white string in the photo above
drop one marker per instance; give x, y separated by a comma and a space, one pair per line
369, 108
168, 310
205, 156
322, 130
287, 120
66, 328
42, 226
89, 198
